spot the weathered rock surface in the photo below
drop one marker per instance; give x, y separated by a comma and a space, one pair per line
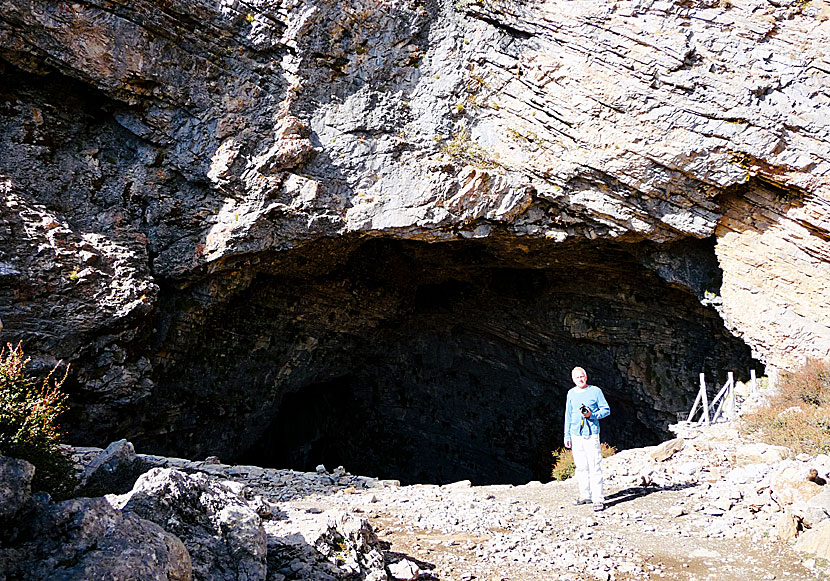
16, 487
223, 535
83, 539
176, 527
324, 545
816, 540
187, 188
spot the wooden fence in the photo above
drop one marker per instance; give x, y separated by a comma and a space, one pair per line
723, 405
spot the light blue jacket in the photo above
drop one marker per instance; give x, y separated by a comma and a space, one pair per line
592, 398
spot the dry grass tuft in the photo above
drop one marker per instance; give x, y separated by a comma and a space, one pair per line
798, 416
563, 461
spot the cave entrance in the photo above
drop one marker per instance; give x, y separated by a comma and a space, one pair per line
434, 363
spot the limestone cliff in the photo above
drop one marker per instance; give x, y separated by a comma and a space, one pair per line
227, 215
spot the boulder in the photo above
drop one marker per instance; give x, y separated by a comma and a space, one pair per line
324, 546
814, 510
821, 500
759, 453
223, 534
667, 449
404, 570
790, 485
86, 539
786, 527
816, 541
112, 471
15, 487
809, 516
80, 539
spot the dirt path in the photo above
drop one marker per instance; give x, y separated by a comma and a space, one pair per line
532, 532
638, 536
678, 548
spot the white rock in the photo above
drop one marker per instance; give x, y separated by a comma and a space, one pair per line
404, 570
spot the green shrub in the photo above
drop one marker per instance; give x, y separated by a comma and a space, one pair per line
29, 410
798, 415
563, 461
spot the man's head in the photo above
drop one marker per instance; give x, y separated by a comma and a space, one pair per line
580, 377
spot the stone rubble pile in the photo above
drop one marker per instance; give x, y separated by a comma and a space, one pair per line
730, 489
499, 534
734, 487
324, 546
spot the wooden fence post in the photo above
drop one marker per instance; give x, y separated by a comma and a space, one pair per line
731, 396
753, 381
694, 406
705, 398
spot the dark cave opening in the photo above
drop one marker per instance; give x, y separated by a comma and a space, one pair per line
423, 362
436, 363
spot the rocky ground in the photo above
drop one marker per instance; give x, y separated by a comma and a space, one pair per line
706, 505
694, 520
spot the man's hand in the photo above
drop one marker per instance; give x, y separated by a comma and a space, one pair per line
568, 444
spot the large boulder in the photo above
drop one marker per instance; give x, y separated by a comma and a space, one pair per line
816, 540
87, 539
759, 453
667, 449
821, 500
323, 546
790, 485
223, 534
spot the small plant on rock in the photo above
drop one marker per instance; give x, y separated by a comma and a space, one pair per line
462, 148
29, 409
563, 461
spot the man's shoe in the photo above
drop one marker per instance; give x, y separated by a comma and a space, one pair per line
599, 507
579, 501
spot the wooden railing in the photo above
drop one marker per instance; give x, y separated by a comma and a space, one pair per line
723, 403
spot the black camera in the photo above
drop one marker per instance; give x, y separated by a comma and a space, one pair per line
584, 410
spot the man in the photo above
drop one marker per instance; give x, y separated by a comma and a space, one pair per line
584, 407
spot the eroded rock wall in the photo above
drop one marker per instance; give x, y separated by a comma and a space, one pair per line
773, 248
164, 164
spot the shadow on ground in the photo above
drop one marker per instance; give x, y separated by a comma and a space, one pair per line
635, 492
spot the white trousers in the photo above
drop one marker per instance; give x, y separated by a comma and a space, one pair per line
587, 458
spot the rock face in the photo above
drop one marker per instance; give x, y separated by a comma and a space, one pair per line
15, 495
223, 535
174, 526
80, 539
321, 231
